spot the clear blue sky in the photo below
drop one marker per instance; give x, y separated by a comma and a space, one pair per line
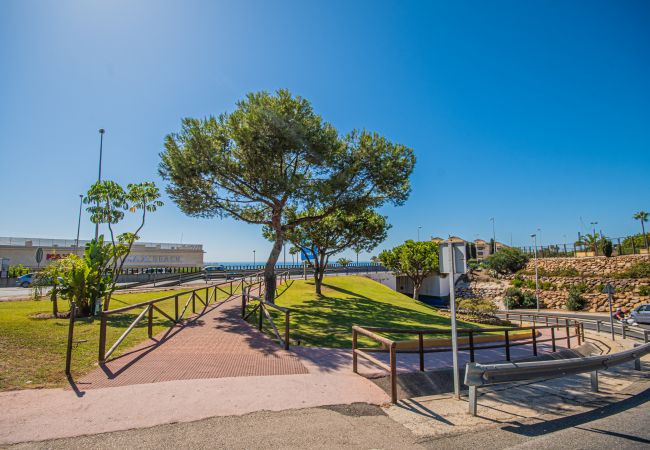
535, 113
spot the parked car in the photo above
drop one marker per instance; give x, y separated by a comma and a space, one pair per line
27, 280
214, 268
640, 314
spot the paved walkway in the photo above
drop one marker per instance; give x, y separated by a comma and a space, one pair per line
216, 344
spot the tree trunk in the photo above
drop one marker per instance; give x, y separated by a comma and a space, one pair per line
55, 305
416, 290
645, 238
269, 268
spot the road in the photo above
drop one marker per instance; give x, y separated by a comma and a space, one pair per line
623, 425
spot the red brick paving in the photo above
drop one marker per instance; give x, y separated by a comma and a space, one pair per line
215, 344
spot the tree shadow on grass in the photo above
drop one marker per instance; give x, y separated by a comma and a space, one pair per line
327, 321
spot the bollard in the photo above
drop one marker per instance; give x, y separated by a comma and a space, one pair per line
594, 381
472, 400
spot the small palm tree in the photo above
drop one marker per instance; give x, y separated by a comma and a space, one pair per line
642, 217
589, 241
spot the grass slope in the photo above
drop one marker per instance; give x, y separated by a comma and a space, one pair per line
327, 320
32, 351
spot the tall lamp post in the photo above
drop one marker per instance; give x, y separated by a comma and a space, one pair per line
81, 197
593, 224
534, 236
99, 175
494, 236
253, 259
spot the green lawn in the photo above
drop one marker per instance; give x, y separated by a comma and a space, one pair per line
327, 320
32, 351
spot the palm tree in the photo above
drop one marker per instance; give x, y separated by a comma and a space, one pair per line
642, 216
590, 241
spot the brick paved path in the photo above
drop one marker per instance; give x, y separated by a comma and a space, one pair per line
214, 345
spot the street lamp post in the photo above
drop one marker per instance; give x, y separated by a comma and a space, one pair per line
81, 197
593, 224
99, 175
253, 259
534, 236
494, 236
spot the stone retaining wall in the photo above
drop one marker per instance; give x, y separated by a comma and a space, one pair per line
599, 265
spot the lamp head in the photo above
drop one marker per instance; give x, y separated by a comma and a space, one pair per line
102, 131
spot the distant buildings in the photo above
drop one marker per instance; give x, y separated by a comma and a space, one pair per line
36, 252
478, 249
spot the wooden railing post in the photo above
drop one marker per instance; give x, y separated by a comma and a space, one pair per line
193, 303
421, 350
102, 337
568, 336
553, 338
354, 348
259, 323
287, 322
534, 341
507, 339
176, 308
393, 373
68, 353
471, 346
150, 322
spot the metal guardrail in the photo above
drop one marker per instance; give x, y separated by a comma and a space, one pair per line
621, 329
477, 375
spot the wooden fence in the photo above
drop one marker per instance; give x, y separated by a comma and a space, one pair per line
391, 346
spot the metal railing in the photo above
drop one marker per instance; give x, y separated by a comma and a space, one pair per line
204, 295
512, 337
622, 329
262, 307
477, 375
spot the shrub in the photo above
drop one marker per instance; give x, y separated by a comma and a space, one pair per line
18, 271
516, 298
517, 282
575, 301
606, 247
546, 285
477, 306
639, 269
644, 290
530, 284
506, 261
559, 272
580, 288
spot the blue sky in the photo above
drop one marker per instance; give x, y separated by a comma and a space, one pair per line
534, 113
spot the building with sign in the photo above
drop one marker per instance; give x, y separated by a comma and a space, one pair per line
36, 252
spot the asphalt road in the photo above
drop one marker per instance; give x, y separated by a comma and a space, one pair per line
623, 425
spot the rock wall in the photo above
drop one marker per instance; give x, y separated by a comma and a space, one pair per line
598, 265
594, 272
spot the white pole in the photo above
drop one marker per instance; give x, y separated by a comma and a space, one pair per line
454, 333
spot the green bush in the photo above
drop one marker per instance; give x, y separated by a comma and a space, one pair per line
580, 288
516, 298
18, 271
476, 306
639, 269
644, 290
506, 261
517, 282
575, 301
530, 284
546, 285
606, 247
559, 272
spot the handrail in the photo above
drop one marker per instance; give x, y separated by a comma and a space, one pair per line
624, 328
488, 374
263, 305
149, 306
391, 346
